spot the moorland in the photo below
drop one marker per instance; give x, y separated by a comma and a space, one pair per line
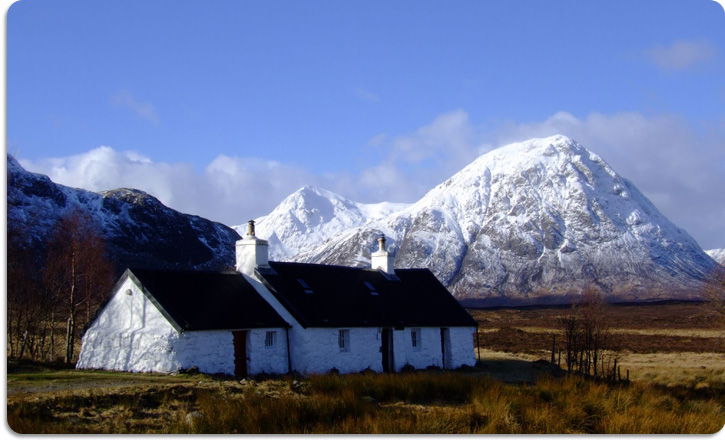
672, 352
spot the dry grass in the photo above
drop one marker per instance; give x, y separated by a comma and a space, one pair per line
701, 370
675, 356
660, 317
654, 328
421, 402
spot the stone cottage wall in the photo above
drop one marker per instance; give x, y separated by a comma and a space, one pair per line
131, 334
463, 350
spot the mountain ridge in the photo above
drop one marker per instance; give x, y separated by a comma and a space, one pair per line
527, 221
530, 222
313, 214
138, 229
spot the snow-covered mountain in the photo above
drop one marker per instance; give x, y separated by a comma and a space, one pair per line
530, 221
138, 229
717, 255
310, 216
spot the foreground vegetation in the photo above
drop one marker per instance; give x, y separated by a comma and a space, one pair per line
417, 402
674, 351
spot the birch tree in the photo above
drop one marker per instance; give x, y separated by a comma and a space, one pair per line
77, 273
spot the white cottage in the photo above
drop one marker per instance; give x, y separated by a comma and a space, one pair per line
165, 321
279, 317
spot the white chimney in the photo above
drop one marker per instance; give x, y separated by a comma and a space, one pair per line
251, 252
381, 259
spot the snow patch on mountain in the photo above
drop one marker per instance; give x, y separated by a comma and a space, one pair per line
138, 229
309, 217
538, 218
718, 255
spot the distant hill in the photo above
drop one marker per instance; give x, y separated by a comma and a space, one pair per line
139, 230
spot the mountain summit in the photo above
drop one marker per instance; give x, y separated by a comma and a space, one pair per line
530, 221
311, 215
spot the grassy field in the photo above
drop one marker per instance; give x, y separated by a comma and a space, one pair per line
678, 386
674, 343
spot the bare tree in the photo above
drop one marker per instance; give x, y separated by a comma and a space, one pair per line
24, 310
588, 341
77, 273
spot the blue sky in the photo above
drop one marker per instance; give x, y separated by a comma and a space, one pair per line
222, 108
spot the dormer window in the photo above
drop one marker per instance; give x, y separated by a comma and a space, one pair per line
305, 286
372, 288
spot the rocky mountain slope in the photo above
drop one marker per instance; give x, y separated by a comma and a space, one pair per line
311, 216
529, 222
139, 230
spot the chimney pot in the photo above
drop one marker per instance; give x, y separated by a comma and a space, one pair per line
251, 252
381, 259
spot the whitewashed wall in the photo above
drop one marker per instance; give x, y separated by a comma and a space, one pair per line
131, 334
263, 359
429, 351
316, 350
462, 350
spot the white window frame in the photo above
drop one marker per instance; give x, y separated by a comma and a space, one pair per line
343, 340
270, 339
415, 339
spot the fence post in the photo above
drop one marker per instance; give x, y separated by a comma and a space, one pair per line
553, 349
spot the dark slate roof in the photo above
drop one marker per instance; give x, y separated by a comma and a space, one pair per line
197, 300
337, 296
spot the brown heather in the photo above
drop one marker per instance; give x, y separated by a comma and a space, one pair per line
418, 402
673, 351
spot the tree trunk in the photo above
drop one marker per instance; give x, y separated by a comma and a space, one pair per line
69, 340
22, 345
52, 338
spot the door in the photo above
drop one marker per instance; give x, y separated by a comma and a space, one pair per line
387, 349
240, 353
446, 347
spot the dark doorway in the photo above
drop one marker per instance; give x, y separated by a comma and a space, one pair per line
387, 349
240, 353
445, 347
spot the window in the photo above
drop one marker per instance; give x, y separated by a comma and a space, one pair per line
415, 338
372, 289
343, 340
270, 340
304, 285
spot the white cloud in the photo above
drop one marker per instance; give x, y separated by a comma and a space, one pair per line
681, 55
366, 95
144, 110
417, 161
377, 140
230, 189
